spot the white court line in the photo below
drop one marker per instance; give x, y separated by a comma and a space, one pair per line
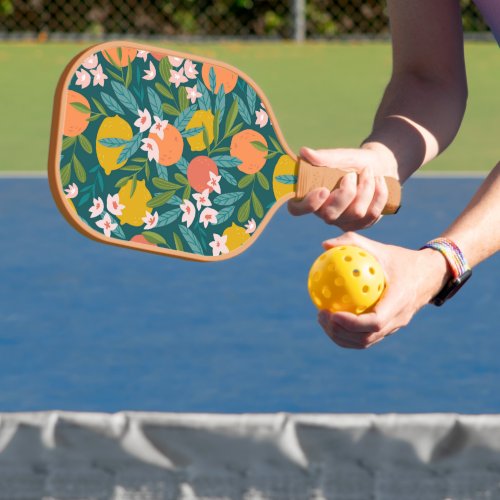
454, 174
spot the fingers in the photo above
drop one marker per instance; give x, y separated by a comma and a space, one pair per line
311, 203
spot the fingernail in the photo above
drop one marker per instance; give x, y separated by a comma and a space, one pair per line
323, 194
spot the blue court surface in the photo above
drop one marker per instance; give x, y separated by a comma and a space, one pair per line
90, 327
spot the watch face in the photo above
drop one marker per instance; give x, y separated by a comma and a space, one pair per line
451, 288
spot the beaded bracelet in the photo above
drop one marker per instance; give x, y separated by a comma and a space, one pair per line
459, 267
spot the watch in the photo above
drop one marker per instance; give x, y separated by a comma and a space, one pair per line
459, 267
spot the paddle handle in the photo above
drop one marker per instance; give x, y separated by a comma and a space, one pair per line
311, 177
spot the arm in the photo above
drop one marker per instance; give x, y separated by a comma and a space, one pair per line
418, 117
415, 277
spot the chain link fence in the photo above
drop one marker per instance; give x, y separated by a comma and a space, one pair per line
286, 19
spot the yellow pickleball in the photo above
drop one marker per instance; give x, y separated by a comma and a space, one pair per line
346, 278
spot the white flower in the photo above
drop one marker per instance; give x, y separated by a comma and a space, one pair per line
250, 226
177, 77
113, 204
190, 69
262, 118
175, 61
90, 62
107, 225
143, 54
202, 199
208, 216
151, 147
150, 74
159, 126
214, 182
219, 245
71, 191
144, 120
97, 208
150, 220
99, 76
189, 212
83, 78
193, 94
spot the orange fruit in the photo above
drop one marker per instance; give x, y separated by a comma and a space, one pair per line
75, 122
171, 146
242, 148
111, 55
198, 173
223, 76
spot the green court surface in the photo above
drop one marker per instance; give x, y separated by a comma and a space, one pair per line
324, 95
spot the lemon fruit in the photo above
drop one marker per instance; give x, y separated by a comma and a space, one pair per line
284, 166
236, 236
135, 205
111, 128
346, 278
201, 118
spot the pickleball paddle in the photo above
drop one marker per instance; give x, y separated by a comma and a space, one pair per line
172, 153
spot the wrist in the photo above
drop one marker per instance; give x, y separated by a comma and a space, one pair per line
388, 165
437, 273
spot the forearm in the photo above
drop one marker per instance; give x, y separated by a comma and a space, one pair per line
416, 120
477, 230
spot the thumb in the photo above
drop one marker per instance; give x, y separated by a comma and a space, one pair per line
351, 159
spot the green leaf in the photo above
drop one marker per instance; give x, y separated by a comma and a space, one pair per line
111, 59
65, 174
165, 68
164, 91
153, 237
244, 211
67, 142
183, 100
231, 116
131, 168
85, 143
216, 126
93, 118
276, 144
182, 165
169, 109
259, 146
226, 161
228, 177
175, 200
287, 179
224, 214
119, 53
228, 198
271, 155
244, 113
263, 180
134, 185
130, 148
128, 78
246, 181
251, 97
99, 106
212, 79
147, 170
165, 185
187, 193
112, 104
257, 206
206, 139
220, 150
182, 120
167, 218
204, 102
178, 242
81, 107
191, 239
234, 130
181, 179
155, 101
160, 199
125, 97
190, 132
116, 76
79, 170
113, 142
121, 182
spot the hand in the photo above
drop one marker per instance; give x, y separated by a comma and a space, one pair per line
359, 200
413, 278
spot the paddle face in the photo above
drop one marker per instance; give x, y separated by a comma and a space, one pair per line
166, 152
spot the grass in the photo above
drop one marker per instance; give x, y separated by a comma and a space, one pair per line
324, 95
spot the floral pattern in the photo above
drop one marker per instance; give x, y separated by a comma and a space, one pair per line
167, 151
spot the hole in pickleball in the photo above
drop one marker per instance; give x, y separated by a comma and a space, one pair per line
339, 281
359, 310
356, 273
327, 293
330, 268
316, 276
362, 254
372, 271
379, 287
336, 306
346, 299
348, 258
366, 289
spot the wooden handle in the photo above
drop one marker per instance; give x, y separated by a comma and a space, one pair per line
311, 177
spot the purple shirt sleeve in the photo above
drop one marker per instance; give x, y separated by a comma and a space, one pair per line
490, 9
